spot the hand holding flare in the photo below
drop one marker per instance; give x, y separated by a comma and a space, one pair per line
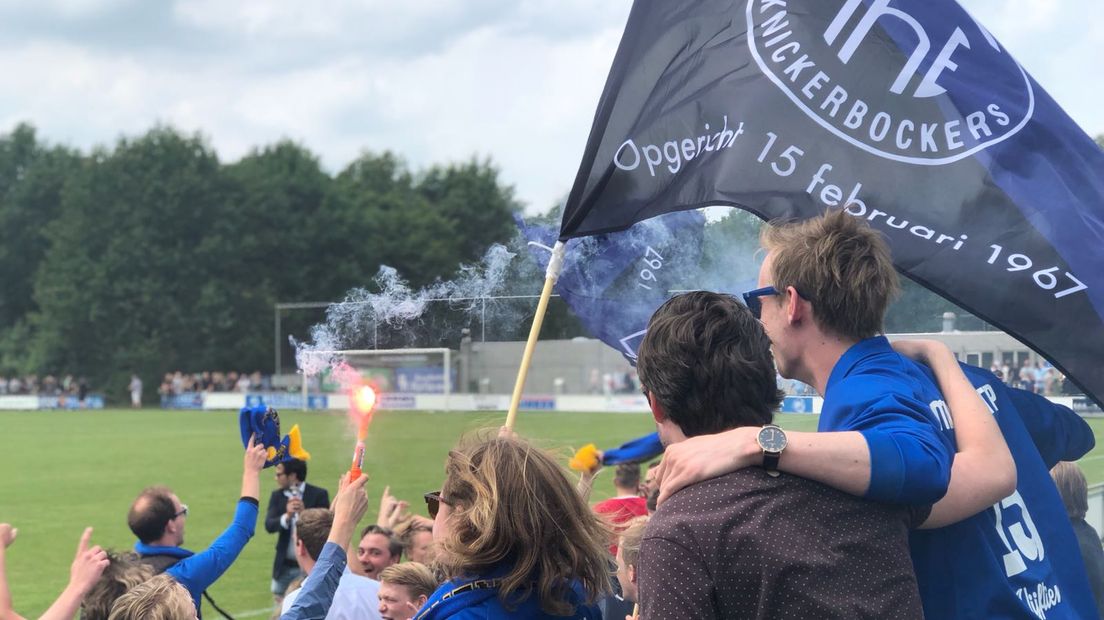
363, 402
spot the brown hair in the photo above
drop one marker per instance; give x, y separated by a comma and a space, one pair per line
627, 476
406, 530
394, 545
151, 512
1073, 488
839, 264
124, 571
631, 537
160, 598
313, 528
511, 502
415, 577
707, 361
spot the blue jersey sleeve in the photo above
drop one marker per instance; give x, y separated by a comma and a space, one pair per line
640, 449
314, 601
1058, 432
199, 571
910, 460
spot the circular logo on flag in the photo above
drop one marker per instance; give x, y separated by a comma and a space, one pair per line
917, 82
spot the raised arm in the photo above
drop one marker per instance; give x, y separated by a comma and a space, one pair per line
85, 571
199, 571
7, 537
983, 471
840, 460
314, 601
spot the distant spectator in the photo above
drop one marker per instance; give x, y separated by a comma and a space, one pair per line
628, 503
160, 598
403, 589
135, 388
1074, 490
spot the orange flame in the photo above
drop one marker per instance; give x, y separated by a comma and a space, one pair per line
364, 399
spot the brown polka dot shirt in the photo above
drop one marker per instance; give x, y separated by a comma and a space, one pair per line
748, 545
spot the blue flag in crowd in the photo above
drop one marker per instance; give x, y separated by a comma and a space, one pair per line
908, 114
615, 282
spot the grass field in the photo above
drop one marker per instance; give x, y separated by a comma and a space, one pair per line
63, 471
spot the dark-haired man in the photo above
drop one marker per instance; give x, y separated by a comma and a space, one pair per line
157, 518
753, 543
378, 548
291, 497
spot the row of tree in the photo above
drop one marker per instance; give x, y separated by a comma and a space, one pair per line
153, 256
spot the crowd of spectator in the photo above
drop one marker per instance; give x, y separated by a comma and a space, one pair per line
177, 383
48, 385
1037, 378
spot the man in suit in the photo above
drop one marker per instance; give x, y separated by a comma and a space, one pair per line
292, 496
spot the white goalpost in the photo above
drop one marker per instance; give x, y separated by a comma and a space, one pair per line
405, 371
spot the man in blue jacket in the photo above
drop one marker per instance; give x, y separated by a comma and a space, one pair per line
1010, 552
157, 518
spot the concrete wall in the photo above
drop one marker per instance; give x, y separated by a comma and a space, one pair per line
494, 366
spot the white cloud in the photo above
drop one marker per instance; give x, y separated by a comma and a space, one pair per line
434, 81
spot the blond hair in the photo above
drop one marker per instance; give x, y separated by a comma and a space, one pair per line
631, 537
160, 598
840, 265
511, 502
124, 571
1073, 488
415, 577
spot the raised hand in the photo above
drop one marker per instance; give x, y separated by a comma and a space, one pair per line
255, 456
704, 457
88, 564
7, 535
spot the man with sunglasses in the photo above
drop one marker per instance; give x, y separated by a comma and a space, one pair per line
824, 288
1000, 548
157, 518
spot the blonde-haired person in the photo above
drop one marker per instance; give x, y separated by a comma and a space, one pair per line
404, 589
514, 538
628, 553
1074, 490
160, 598
416, 535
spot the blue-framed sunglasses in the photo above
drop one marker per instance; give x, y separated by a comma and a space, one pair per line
755, 304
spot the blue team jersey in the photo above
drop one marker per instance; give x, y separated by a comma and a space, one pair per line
898, 409
1019, 558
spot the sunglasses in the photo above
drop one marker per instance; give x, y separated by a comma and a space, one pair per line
433, 502
183, 511
754, 302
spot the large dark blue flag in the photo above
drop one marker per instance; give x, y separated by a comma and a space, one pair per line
907, 113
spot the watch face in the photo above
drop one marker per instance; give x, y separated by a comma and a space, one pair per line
772, 439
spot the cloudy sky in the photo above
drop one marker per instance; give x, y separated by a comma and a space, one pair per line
432, 80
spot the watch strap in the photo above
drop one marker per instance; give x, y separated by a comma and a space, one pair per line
770, 462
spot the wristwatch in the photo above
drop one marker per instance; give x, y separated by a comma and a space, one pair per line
772, 439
